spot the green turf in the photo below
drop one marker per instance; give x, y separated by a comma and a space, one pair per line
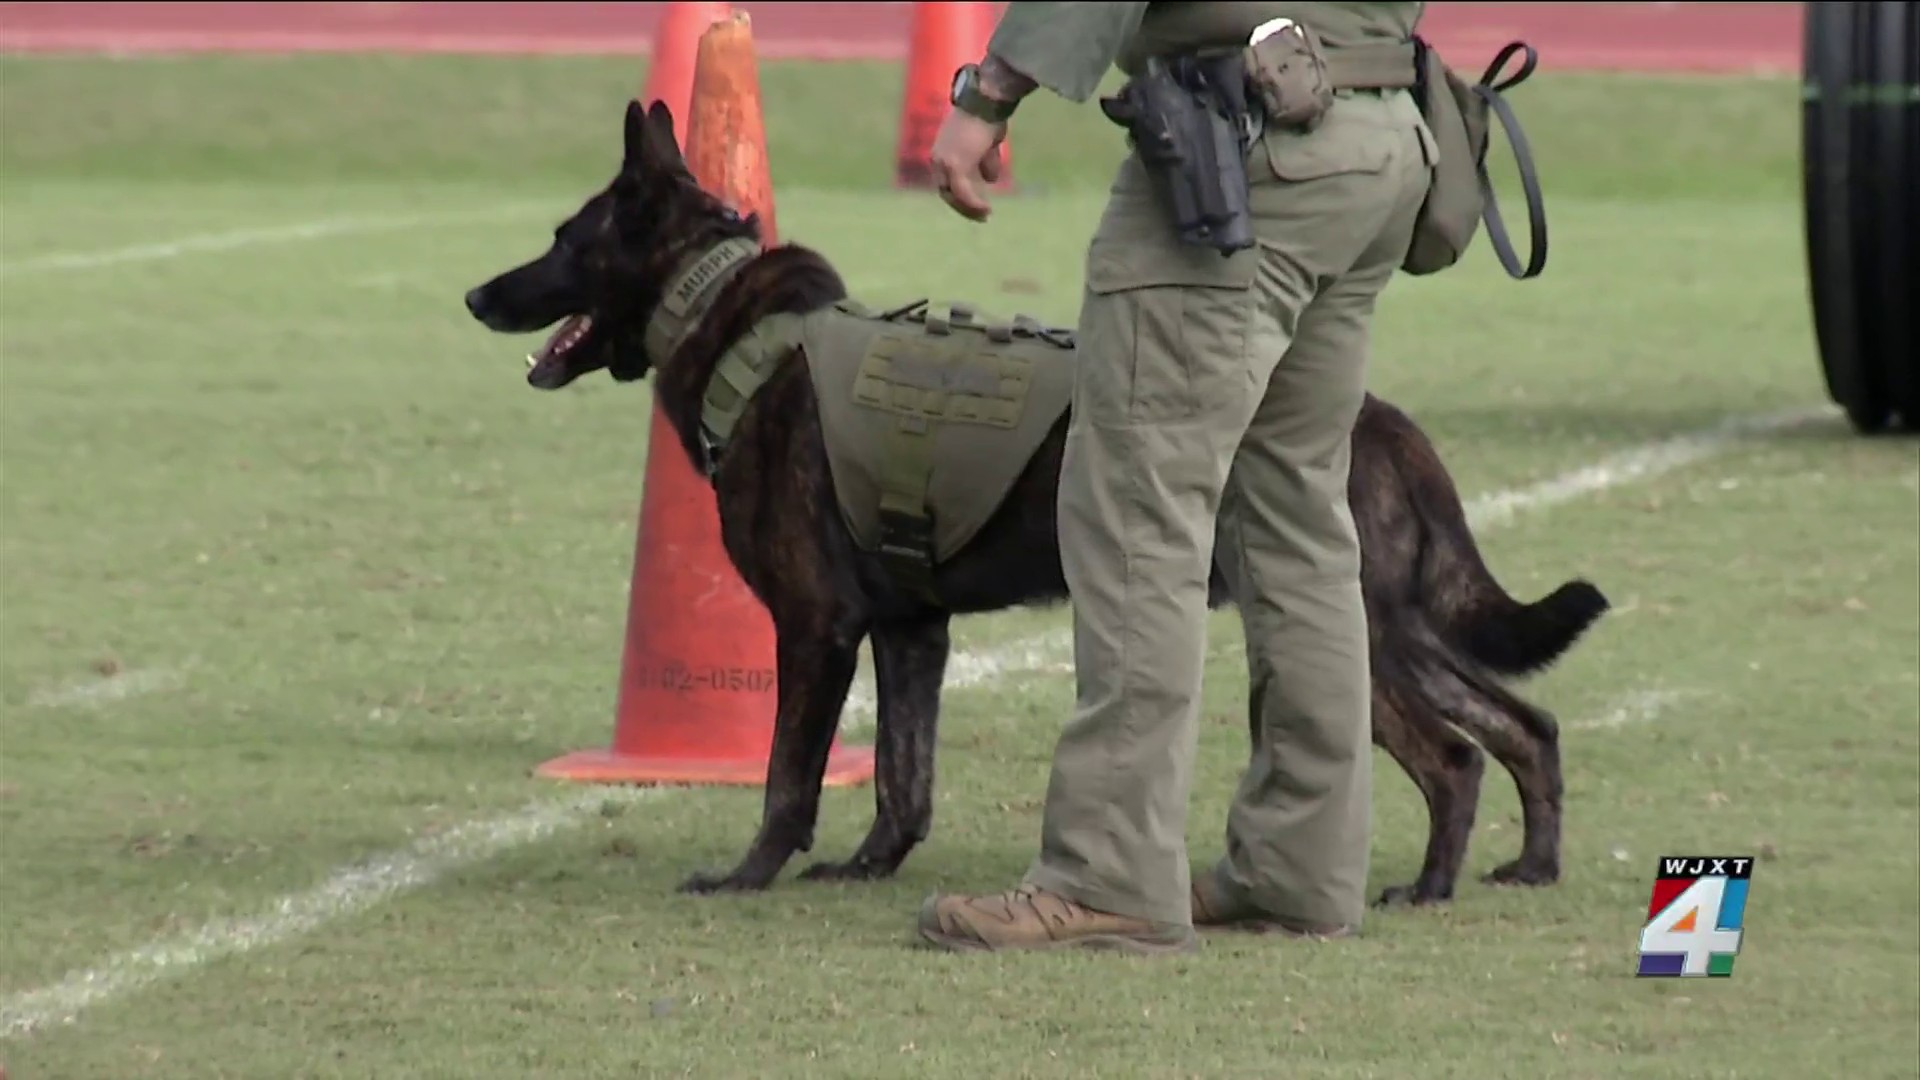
500, 124
382, 579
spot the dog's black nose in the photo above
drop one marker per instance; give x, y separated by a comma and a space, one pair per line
476, 299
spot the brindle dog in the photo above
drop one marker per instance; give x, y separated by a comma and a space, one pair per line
1442, 629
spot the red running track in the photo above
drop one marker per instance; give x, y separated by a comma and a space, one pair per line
1719, 38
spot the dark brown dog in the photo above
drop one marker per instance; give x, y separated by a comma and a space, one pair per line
1442, 628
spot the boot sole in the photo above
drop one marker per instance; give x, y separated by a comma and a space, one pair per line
1253, 924
1096, 942
1265, 926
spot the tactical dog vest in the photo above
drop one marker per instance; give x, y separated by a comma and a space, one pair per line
929, 412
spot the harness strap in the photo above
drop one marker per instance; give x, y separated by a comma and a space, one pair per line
737, 376
687, 299
907, 311
906, 522
1058, 337
911, 389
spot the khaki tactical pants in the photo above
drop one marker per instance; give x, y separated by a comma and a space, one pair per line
1227, 387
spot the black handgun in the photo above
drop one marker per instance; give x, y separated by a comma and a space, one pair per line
1188, 120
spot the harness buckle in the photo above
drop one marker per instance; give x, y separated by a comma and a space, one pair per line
906, 545
709, 451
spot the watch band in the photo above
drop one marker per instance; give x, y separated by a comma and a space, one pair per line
970, 99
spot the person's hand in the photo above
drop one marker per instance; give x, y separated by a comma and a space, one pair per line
965, 160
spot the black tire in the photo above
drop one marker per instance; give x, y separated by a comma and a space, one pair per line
1898, 110
1891, 223
1825, 152
1860, 131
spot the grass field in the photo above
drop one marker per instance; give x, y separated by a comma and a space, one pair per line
298, 572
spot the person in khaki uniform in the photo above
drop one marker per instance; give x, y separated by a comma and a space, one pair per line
1212, 392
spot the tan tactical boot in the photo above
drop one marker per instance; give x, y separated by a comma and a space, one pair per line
1212, 909
1032, 918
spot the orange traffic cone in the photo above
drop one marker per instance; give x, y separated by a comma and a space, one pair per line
675, 45
945, 36
698, 686
726, 138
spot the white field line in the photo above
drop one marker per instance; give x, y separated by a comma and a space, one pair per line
1634, 709
348, 891
1039, 652
107, 689
1638, 463
202, 243
355, 888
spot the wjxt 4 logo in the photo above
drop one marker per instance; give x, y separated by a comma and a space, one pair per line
1694, 924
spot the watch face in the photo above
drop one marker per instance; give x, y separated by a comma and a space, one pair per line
961, 79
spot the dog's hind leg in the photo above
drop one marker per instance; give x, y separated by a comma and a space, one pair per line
1445, 766
1526, 741
909, 661
815, 671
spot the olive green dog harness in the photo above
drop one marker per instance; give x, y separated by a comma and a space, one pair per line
929, 412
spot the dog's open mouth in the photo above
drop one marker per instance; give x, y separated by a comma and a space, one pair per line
547, 367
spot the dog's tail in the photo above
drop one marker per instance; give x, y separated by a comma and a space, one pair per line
1514, 638
1465, 600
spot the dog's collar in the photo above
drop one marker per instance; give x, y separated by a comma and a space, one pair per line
686, 301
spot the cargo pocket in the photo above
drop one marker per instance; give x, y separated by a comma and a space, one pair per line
1342, 145
1164, 329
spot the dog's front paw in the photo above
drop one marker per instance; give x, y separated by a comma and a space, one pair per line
1522, 872
854, 869
1413, 895
709, 884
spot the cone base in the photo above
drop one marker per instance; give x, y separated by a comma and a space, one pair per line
847, 766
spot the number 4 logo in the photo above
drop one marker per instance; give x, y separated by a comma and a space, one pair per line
1698, 932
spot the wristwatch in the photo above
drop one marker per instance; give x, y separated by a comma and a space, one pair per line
970, 99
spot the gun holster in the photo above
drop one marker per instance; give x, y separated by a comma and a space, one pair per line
1189, 120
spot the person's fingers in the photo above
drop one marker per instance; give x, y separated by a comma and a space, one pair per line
990, 165
943, 182
958, 190
962, 195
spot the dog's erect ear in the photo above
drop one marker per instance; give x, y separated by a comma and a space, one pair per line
662, 144
661, 118
633, 162
651, 149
